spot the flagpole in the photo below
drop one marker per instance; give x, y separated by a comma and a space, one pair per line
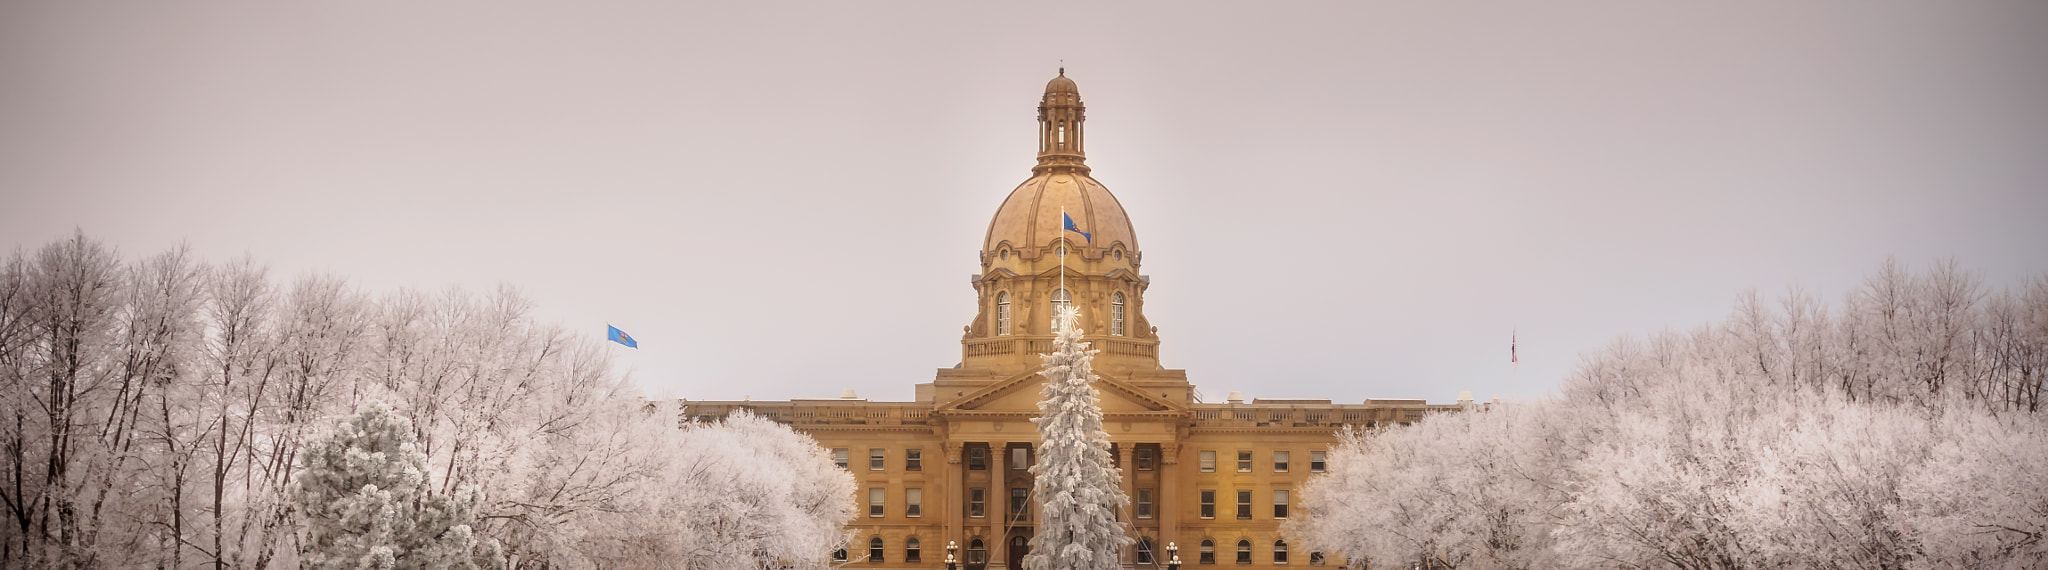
1063, 259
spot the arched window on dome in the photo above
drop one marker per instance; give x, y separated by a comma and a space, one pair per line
1003, 313
1116, 314
1060, 299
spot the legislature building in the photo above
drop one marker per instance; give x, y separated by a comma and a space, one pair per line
1218, 479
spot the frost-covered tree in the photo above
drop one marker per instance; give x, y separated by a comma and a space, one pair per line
1075, 485
1899, 430
362, 490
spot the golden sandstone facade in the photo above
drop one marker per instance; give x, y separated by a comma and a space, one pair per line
1217, 479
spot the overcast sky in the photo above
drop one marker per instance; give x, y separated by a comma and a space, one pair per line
1347, 201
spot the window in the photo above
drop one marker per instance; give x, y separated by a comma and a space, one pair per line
1003, 309
913, 460
1208, 461
1244, 505
977, 552
1279, 552
911, 550
839, 555
1144, 551
839, 457
1144, 503
1208, 503
1244, 461
1144, 458
1315, 559
977, 502
1119, 255
878, 459
1317, 462
1208, 552
977, 458
1116, 314
877, 497
1280, 461
1244, 552
875, 550
1060, 299
1280, 503
1020, 458
913, 502
1018, 496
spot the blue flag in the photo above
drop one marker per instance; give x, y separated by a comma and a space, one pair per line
1076, 229
619, 336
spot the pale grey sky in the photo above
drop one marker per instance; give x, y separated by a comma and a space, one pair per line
1344, 200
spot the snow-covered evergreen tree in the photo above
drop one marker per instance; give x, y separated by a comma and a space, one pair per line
362, 490
1075, 484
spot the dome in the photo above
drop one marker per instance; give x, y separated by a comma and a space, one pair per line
1061, 84
1030, 217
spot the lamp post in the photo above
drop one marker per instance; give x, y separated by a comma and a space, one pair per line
952, 547
1172, 556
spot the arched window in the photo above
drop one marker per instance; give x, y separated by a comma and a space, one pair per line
977, 553
1116, 314
1144, 551
1061, 299
1279, 552
1208, 552
875, 549
1003, 313
911, 550
1244, 552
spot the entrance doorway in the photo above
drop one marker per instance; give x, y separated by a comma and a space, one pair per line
1019, 546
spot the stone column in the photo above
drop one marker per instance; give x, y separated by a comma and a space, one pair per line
1129, 469
956, 498
1168, 497
999, 498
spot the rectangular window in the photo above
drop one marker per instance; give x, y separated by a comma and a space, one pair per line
1280, 503
913, 502
1244, 505
977, 502
1020, 458
839, 457
1317, 462
1208, 461
878, 459
1019, 500
1280, 461
977, 458
1244, 461
877, 497
913, 460
1144, 503
1208, 503
1143, 457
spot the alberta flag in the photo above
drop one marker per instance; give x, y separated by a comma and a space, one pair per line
619, 336
1076, 229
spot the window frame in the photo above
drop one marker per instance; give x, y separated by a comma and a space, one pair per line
1244, 461
1207, 460
1206, 553
877, 550
878, 459
878, 502
1208, 502
1244, 551
1145, 457
1318, 461
913, 459
1280, 502
843, 457
913, 551
977, 502
1244, 504
1020, 458
1144, 503
1116, 314
1058, 298
1280, 551
1003, 312
977, 459
913, 502
1020, 499
1281, 460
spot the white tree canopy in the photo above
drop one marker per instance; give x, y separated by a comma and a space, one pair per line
1075, 484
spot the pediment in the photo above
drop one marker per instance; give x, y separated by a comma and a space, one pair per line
1020, 394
